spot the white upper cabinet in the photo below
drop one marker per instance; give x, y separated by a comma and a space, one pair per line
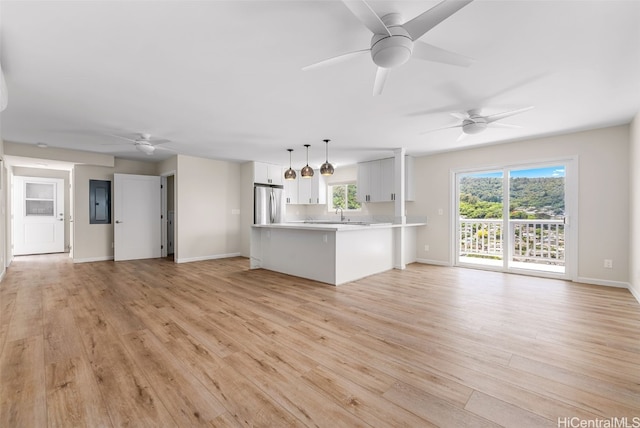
312, 191
266, 173
376, 180
291, 190
387, 182
363, 190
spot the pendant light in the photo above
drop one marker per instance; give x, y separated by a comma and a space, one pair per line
327, 168
307, 171
290, 174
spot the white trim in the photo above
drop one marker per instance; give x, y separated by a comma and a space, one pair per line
571, 164
2, 274
634, 293
604, 282
93, 259
164, 216
211, 257
433, 262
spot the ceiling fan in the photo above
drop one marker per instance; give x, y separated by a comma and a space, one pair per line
393, 42
144, 143
473, 122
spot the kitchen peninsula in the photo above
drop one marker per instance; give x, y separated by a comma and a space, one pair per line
334, 253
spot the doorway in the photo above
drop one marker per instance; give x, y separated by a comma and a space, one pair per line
170, 215
38, 215
515, 219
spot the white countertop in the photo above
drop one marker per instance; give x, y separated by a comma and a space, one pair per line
337, 227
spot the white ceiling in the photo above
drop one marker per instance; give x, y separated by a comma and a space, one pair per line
223, 79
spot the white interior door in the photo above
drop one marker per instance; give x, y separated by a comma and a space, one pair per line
137, 210
38, 215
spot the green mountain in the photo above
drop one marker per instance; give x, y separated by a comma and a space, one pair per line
481, 197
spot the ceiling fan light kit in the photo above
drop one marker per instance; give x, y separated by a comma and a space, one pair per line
307, 171
389, 51
145, 147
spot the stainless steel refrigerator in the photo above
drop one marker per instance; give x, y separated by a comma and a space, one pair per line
268, 204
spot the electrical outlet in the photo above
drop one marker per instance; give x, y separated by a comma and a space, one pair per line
426, 247
440, 211
608, 263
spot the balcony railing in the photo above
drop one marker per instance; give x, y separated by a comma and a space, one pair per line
531, 241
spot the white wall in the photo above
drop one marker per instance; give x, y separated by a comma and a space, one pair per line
634, 201
603, 205
93, 242
208, 209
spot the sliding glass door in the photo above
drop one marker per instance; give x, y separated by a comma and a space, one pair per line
514, 219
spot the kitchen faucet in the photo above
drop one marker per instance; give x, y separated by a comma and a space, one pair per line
341, 213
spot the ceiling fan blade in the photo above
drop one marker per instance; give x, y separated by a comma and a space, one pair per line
122, 138
367, 16
167, 149
459, 116
498, 116
440, 129
461, 137
427, 52
424, 22
381, 78
159, 141
503, 125
334, 60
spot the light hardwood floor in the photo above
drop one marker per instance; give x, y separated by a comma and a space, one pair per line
152, 343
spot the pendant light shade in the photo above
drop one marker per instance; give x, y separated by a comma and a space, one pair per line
307, 171
326, 168
290, 174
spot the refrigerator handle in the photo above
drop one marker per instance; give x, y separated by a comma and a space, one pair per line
272, 206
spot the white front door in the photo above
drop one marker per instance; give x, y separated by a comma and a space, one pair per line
137, 211
38, 215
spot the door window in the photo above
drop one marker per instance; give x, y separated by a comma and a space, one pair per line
513, 219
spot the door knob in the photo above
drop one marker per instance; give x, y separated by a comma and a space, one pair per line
118, 222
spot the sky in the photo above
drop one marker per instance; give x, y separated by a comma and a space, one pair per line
551, 171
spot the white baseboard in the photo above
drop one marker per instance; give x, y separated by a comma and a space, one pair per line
433, 262
203, 258
607, 283
4, 271
635, 293
93, 259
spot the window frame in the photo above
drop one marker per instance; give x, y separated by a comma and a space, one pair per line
345, 184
